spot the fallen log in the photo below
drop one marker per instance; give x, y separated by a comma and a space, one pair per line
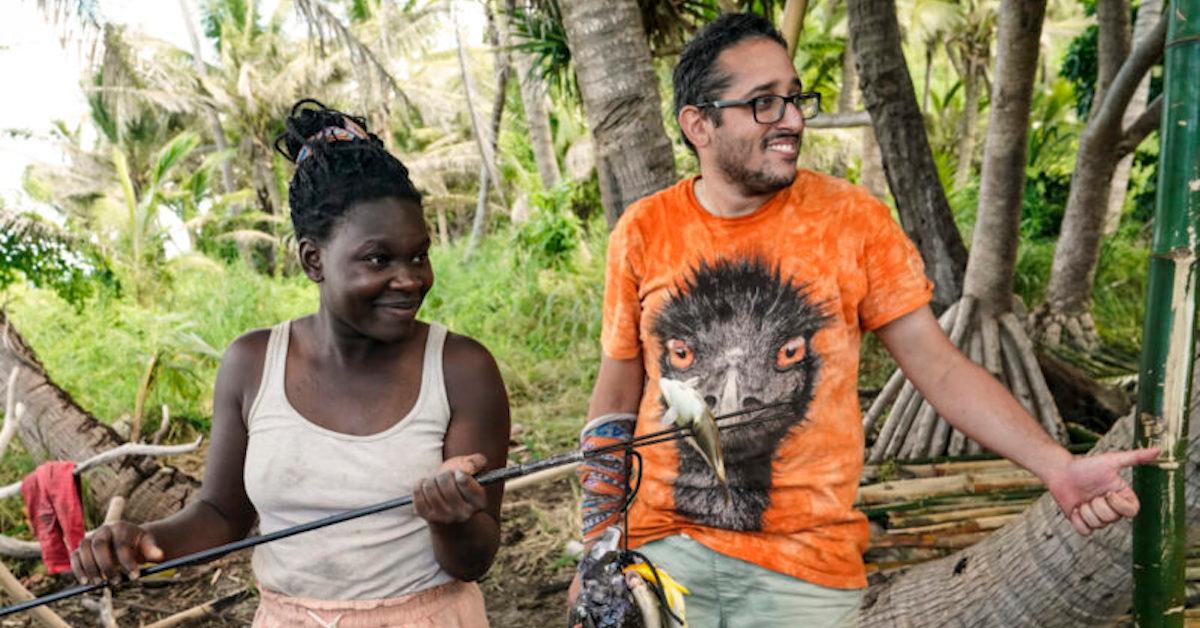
54, 427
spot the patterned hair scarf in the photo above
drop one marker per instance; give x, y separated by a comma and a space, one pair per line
348, 132
604, 478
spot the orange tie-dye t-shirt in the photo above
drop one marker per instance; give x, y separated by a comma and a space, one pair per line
759, 309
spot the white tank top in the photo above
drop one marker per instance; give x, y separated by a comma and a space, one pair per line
297, 471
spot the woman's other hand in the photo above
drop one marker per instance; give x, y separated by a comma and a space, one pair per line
452, 495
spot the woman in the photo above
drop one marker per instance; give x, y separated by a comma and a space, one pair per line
355, 404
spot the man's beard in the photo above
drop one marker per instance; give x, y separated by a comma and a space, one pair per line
753, 182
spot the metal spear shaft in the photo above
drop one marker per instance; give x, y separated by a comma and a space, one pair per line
489, 477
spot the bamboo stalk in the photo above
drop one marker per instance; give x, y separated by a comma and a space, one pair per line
952, 501
940, 469
946, 485
900, 521
1166, 366
958, 526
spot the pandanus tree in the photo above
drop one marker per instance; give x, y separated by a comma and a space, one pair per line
982, 323
887, 91
1065, 316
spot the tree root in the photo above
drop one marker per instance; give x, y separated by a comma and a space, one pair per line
913, 429
1077, 331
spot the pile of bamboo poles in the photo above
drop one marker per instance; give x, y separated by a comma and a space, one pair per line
934, 509
913, 429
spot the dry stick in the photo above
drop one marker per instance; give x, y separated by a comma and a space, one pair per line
161, 432
19, 593
896, 381
206, 609
1051, 420
116, 507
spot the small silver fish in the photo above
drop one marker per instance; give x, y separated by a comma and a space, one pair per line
685, 408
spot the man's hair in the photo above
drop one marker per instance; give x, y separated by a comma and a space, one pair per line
697, 79
338, 164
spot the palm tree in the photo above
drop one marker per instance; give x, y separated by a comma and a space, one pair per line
619, 89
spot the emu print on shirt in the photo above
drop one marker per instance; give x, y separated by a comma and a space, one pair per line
745, 334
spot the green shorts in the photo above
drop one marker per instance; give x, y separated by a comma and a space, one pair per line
730, 593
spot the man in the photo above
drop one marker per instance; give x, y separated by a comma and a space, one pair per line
754, 281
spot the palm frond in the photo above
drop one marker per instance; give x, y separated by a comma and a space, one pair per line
324, 27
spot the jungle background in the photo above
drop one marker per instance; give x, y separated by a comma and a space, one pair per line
160, 231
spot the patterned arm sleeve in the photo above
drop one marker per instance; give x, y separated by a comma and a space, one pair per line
604, 477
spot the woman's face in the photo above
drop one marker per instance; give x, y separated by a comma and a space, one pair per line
374, 268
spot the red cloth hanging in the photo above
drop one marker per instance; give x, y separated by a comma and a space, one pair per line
55, 512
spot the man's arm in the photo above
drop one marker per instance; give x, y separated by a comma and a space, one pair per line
618, 387
1089, 490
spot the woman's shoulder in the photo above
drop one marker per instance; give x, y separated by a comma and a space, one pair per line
464, 352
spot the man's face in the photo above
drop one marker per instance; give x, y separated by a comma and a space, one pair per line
758, 158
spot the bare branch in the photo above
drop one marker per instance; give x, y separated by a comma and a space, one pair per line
128, 449
16, 548
839, 120
1120, 92
1137, 131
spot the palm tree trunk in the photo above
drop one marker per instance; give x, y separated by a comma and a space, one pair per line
214, 122
1069, 293
966, 129
611, 56
792, 23
485, 144
912, 176
54, 427
535, 102
1148, 15
1035, 572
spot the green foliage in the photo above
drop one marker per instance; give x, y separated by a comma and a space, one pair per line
1081, 67
35, 251
551, 236
99, 353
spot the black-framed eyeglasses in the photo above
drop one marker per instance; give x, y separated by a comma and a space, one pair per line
769, 109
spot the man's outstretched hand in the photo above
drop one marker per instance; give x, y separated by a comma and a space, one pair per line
1090, 491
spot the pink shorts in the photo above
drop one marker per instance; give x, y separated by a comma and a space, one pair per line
455, 604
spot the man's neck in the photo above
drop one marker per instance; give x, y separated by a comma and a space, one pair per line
724, 199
